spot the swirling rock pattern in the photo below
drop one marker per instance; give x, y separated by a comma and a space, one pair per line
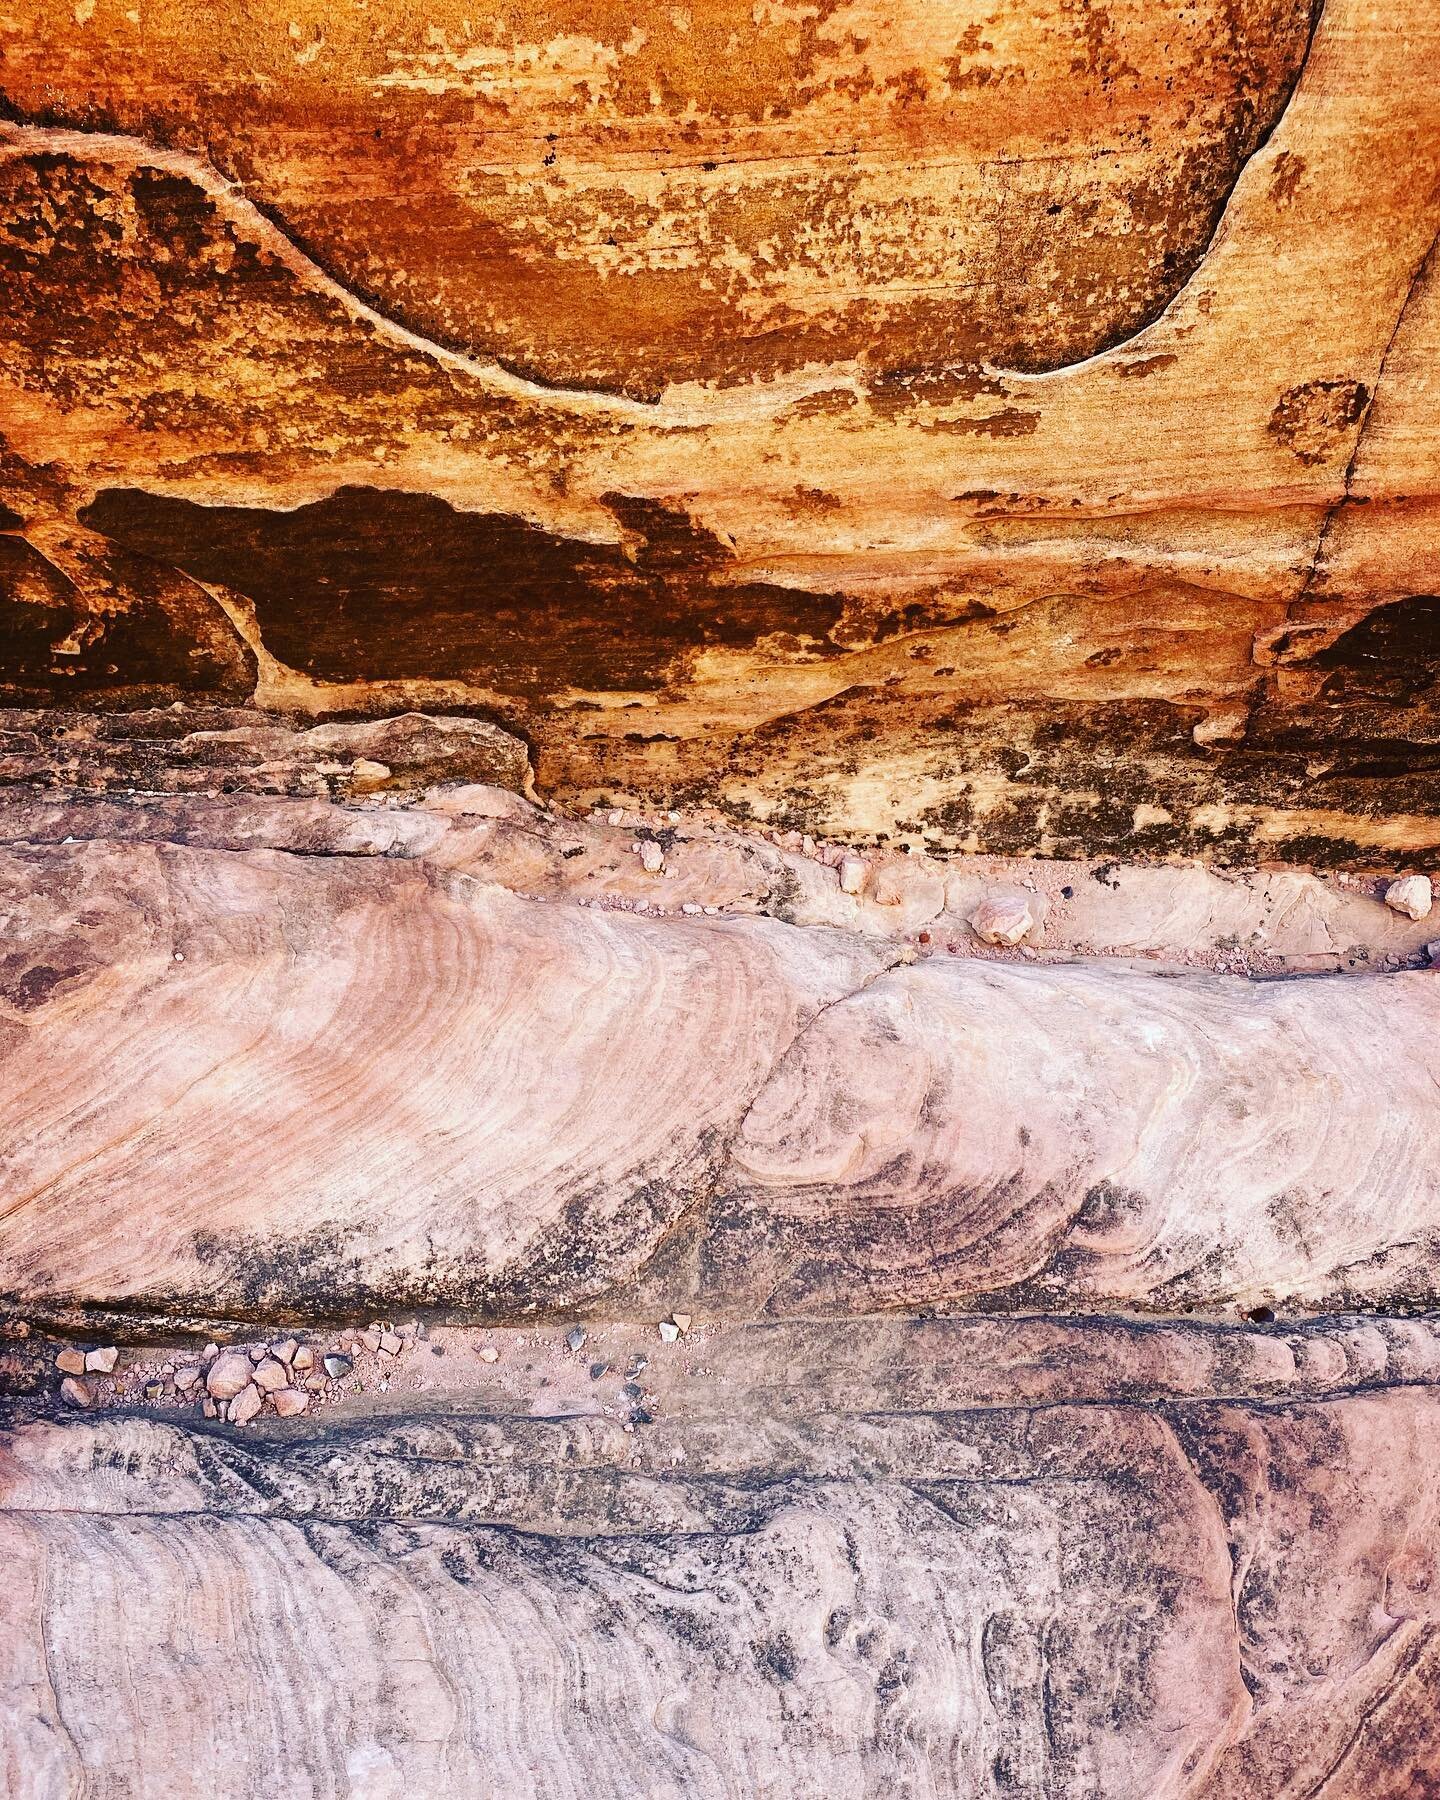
558, 560
753, 1113
1044, 1599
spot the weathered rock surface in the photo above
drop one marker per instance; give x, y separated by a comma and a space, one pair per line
753, 1112
706, 713
1081, 456
1230, 1592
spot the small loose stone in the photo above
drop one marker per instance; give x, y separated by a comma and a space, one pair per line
668, 1331
1003, 919
489, 1354
337, 1366
285, 1350
208, 1407
391, 1344
1412, 895
304, 1358
100, 1362
652, 857
682, 1320
73, 1392
185, 1379
289, 1402
258, 1352
370, 1339
228, 1375
852, 874
71, 1362
270, 1375
209, 1353
575, 1337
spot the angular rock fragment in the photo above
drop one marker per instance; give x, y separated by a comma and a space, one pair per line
245, 1405
1411, 895
269, 1375
1003, 919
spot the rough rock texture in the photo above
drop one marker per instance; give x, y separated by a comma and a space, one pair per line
717, 394
719, 773
989, 1588
756, 1113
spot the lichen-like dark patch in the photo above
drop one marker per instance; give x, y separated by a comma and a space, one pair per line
1315, 420
372, 585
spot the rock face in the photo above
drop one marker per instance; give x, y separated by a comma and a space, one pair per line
753, 1113
715, 396
719, 792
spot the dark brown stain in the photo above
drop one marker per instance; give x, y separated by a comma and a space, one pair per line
1393, 655
135, 631
1286, 177
1146, 365
1314, 420
1010, 422
374, 585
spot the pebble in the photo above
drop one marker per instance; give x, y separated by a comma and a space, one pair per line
154, 1389
304, 1358
652, 857
228, 1375
490, 1354
1432, 951
208, 1407
852, 874
1411, 895
1003, 919
682, 1320
100, 1362
668, 1331
285, 1351
271, 1375
73, 1392
337, 1365
371, 1340
71, 1362
575, 1337
209, 1353
185, 1379
391, 1344
289, 1401
245, 1405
